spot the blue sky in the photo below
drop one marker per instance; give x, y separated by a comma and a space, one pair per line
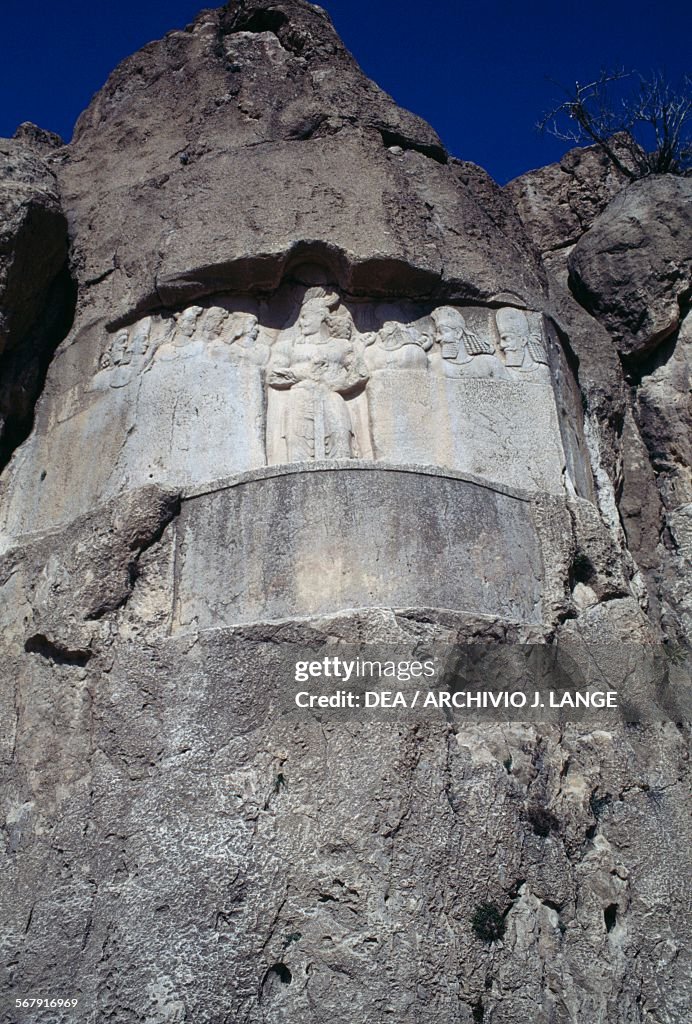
478, 72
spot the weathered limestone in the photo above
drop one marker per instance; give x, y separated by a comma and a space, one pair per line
325, 393
629, 265
219, 389
558, 203
36, 301
662, 409
633, 267
263, 94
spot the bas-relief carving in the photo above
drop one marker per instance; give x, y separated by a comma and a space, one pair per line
124, 358
464, 345
325, 348
399, 345
213, 333
232, 384
315, 371
523, 344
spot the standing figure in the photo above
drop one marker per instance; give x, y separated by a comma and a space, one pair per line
317, 370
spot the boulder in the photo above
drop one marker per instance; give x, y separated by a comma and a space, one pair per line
632, 268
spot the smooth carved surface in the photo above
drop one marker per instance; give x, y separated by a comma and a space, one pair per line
300, 545
218, 389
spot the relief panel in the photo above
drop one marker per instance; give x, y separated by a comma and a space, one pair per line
232, 384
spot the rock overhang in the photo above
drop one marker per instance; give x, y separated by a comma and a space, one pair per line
227, 155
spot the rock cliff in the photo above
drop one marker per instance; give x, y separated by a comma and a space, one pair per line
36, 292
308, 386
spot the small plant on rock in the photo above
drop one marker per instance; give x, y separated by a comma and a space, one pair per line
488, 923
542, 821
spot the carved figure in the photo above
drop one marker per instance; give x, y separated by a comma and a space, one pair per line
319, 369
124, 358
212, 324
400, 346
119, 349
185, 342
521, 341
234, 336
464, 353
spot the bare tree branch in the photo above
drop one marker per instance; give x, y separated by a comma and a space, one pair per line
646, 131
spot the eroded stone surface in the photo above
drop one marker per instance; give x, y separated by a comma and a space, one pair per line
663, 412
265, 95
231, 453
311, 544
33, 239
36, 301
633, 267
558, 203
634, 256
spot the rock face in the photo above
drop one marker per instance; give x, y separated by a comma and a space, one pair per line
36, 300
630, 269
633, 267
328, 392
321, 162
558, 203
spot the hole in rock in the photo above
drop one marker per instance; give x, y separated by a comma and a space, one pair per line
277, 976
56, 652
390, 138
582, 569
610, 916
542, 821
261, 21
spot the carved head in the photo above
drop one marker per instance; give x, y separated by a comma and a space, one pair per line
214, 319
449, 324
140, 337
452, 330
339, 326
245, 326
317, 304
393, 336
513, 328
187, 321
118, 347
